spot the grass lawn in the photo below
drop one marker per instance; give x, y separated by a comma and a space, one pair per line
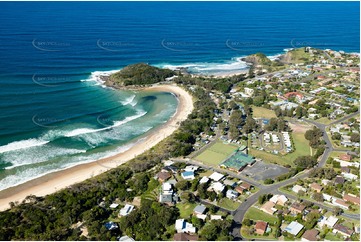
228, 204
256, 214
216, 153
333, 237
324, 120
245, 234
259, 112
301, 148
186, 209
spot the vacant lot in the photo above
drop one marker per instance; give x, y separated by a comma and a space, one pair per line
256, 214
259, 112
216, 153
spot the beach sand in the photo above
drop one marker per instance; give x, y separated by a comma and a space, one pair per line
55, 181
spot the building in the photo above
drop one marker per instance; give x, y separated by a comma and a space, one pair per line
246, 186
204, 180
184, 227
261, 227
340, 203
231, 194
167, 195
268, 208
126, 210
351, 198
294, 228
111, 225
199, 209
248, 91
329, 222
191, 168
238, 161
297, 188
339, 180
216, 217
185, 237
188, 175
125, 238
310, 235
216, 176
230, 183
163, 176
345, 157
279, 199
341, 229
316, 187
297, 208
217, 187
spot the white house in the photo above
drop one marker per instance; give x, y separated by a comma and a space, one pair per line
294, 228
297, 188
231, 194
216, 176
217, 187
126, 210
183, 227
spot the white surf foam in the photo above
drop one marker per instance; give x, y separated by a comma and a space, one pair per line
129, 100
22, 144
95, 77
209, 68
81, 131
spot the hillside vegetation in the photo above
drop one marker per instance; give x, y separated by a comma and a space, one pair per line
139, 74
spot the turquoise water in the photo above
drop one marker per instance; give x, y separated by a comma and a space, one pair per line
54, 112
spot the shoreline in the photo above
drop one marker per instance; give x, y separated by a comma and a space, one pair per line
58, 180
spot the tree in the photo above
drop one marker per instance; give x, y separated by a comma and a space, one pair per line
281, 125
182, 185
336, 136
268, 181
337, 211
305, 161
250, 125
258, 101
318, 196
355, 137
209, 232
278, 111
247, 222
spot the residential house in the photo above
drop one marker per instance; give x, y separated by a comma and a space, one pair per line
111, 225
163, 176
216, 176
184, 227
340, 203
216, 217
191, 168
230, 183
261, 227
199, 209
217, 187
339, 180
185, 237
310, 235
268, 208
343, 230
297, 208
188, 175
279, 199
204, 180
316, 187
297, 188
345, 157
231, 194
349, 176
351, 198
126, 210
329, 222
167, 194
245, 186
294, 228
125, 238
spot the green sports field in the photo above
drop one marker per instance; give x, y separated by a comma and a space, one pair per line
216, 153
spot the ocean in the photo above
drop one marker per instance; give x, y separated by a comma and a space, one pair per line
55, 112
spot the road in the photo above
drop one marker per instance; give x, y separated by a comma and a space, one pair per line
274, 188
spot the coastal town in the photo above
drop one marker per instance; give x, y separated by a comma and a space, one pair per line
276, 158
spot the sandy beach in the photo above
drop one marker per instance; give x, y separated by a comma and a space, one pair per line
53, 182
